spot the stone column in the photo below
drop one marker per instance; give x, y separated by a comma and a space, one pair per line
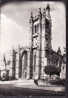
17, 65
20, 65
28, 64
13, 64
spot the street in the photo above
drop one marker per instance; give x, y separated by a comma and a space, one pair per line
19, 88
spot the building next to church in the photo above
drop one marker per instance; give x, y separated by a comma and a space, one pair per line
29, 63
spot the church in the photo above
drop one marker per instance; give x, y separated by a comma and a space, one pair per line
41, 48
29, 63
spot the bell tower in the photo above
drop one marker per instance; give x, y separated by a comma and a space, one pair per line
48, 25
40, 42
36, 29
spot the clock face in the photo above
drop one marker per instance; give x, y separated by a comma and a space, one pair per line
35, 41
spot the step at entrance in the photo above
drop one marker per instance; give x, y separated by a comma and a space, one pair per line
25, 82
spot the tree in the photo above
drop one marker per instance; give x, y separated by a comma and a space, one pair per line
51, 70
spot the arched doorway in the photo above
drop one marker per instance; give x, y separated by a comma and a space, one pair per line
23, 65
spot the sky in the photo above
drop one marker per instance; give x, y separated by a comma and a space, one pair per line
15, 27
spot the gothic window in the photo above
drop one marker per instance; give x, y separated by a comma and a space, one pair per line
34, 60
47, 25
35, 42
36, 28
46, 37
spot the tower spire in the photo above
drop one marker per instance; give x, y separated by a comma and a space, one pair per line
48, 7
48, 12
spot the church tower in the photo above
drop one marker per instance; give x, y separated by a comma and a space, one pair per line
40, 43
48, 28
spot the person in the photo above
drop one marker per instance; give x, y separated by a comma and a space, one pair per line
36, 81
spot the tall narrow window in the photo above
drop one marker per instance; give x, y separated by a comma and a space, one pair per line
34, 62
36, 28
47, 26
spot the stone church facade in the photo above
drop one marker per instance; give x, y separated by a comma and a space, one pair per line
29, 63
42, 52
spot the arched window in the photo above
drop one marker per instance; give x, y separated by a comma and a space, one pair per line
47, 23
36, 27
47, 26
